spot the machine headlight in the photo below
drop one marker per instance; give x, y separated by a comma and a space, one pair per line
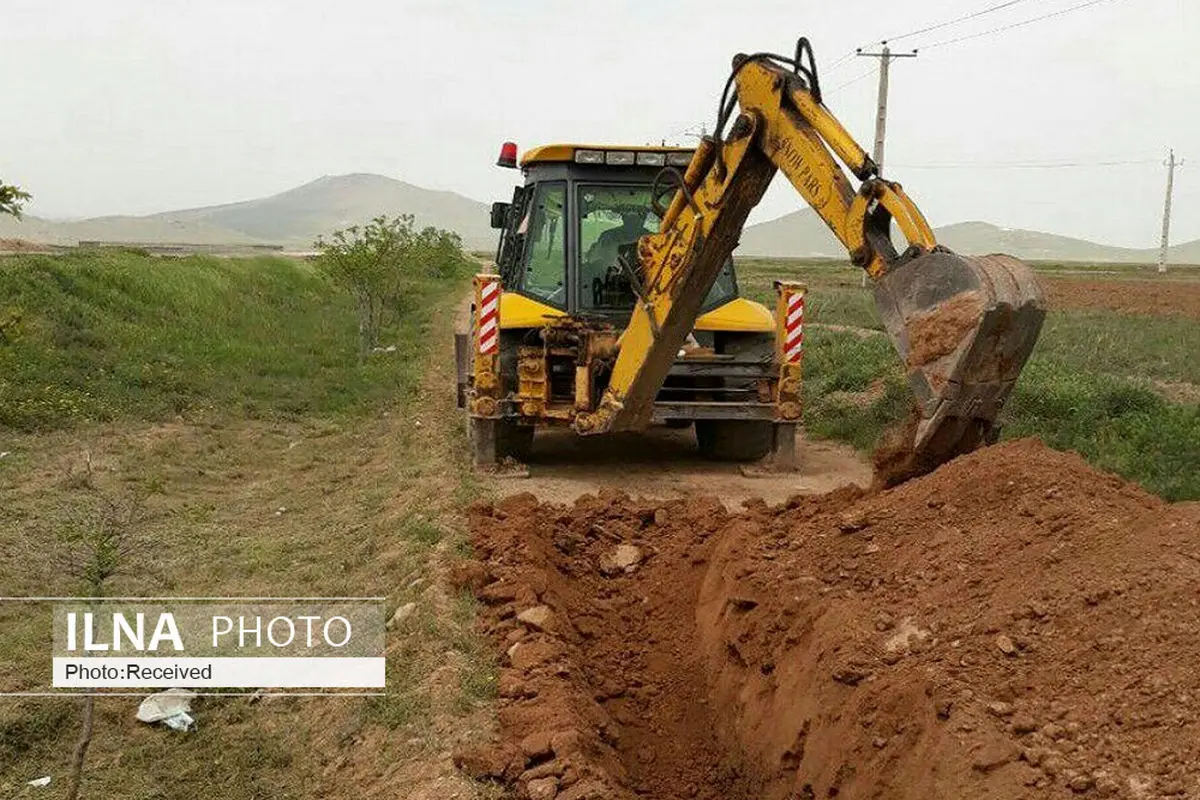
679, 159
651, 159
589, 156
619, 158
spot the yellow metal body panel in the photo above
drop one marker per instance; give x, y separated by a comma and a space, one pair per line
566, 152
738, 315
519, 311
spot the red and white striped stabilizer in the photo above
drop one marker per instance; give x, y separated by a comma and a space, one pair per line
793, 327
488, 329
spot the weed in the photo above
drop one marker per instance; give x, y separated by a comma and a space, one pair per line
423, 531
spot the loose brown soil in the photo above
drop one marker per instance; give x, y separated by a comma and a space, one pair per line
940, 332
1015, 624
23, 246
1168, 298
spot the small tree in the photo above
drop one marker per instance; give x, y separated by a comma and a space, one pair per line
12, 200
379, 261
96, 541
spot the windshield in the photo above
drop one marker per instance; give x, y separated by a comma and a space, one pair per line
611, 220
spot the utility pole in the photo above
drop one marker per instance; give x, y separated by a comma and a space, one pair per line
885, 59
1171, 163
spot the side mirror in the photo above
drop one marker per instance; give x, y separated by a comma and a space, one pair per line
500, 214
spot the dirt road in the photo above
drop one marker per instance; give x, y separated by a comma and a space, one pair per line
664, 463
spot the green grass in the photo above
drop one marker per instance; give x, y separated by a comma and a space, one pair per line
97, 336
1117, 424
262, 363
836, 296
1139, 346
1090, 385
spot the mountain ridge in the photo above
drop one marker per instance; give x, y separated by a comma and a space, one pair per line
802, 234
294, 218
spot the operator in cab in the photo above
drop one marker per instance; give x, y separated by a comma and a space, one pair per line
603, 253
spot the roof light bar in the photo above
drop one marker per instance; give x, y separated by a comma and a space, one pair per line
679, 159
619, 158
651, 159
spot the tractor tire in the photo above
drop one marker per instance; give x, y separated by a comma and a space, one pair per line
734, 439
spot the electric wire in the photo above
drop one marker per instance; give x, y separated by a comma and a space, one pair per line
1011, 26
1029, 164
955, 21
867, 74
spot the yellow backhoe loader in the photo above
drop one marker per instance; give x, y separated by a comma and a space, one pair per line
616, 301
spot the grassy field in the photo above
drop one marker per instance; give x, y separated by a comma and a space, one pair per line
98, 336
1121, 389
226, 395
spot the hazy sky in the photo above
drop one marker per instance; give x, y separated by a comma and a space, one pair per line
135, 106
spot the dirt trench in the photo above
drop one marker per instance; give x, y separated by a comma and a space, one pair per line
1015, 624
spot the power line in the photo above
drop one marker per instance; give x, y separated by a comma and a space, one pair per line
845, 58
1021, 24
937, 26
956, 20
864, 76
1030, 164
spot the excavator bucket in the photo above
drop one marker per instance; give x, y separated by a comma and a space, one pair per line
964, 327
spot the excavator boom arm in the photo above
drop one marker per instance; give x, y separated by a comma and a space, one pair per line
964, 327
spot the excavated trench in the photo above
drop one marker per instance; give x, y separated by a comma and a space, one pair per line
1015, 624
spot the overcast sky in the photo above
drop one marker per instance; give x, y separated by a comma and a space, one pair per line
136, 106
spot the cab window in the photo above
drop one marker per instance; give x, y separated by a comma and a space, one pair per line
544, 266
611, 220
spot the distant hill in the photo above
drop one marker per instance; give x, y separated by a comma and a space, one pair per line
981, 238
299, 215
293, 218
803, 234
296, 217
117, 229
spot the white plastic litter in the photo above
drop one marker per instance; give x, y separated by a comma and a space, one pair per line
42, 781
182, 721
169, 707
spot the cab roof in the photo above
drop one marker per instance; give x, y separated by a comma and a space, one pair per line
557, 153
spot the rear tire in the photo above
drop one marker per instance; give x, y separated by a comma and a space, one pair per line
734, 439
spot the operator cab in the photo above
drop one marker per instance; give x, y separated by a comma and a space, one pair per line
569, 237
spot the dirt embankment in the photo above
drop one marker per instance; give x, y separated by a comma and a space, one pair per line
1163, 298
1013, 625
23, 246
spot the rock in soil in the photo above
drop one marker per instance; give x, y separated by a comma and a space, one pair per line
755, 656
625, 558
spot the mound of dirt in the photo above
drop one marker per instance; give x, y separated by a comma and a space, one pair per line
1014, 624
23, 246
